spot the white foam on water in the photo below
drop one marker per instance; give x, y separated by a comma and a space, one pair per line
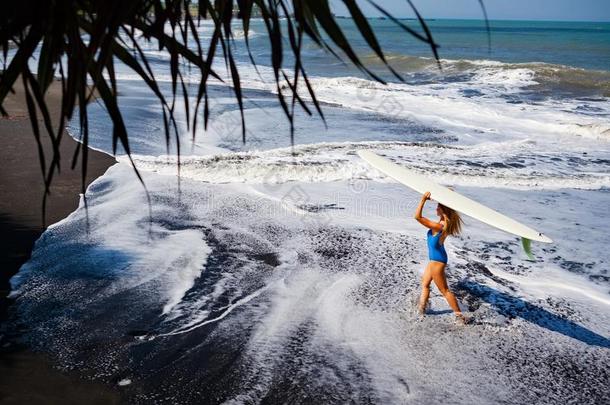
441, 107
324, 310
124, 382
559, 282
479, 165
170, 259
444, 105
195, 325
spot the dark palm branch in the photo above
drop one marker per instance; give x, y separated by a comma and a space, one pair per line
80, 41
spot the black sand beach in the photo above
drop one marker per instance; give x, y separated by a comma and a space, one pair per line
28, 377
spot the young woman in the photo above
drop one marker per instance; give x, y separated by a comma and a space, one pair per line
449, 224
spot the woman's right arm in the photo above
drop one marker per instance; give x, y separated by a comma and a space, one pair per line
420, 208
435, 226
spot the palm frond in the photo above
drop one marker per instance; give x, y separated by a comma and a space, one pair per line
81, 40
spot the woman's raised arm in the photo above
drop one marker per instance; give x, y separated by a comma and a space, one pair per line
435, 226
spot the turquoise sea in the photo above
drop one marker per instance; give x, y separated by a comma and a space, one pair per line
578, 44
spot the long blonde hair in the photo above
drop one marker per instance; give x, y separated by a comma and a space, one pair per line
453, 222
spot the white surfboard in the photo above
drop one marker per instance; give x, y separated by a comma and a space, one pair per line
452, 199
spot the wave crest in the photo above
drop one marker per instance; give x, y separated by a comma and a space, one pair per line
514, 165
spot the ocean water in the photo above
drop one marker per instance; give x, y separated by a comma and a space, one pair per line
288, 274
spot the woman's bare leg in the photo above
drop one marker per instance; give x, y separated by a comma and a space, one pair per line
438, 275
425, 292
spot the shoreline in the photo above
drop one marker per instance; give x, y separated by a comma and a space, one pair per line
29, 377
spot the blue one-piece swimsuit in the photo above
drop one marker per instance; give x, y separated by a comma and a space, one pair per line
436, 251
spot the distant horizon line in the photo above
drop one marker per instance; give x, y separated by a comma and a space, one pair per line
478, 19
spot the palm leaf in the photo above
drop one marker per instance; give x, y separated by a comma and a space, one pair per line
56, 29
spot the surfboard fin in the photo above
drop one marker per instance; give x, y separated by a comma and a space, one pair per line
527, 247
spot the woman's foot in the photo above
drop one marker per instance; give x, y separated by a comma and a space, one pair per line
460, 319
421, 310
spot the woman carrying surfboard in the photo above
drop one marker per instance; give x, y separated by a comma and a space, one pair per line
449, 224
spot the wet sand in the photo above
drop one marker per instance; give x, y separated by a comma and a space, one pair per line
30, 377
